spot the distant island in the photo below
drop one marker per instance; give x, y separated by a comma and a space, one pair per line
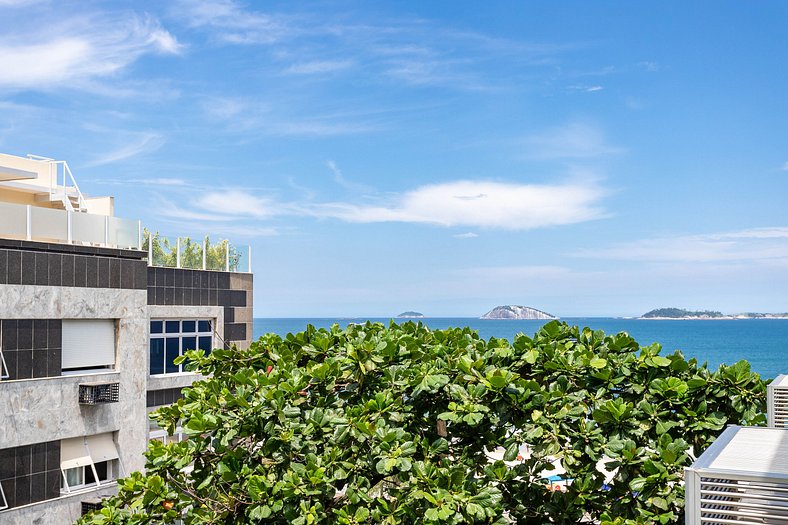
680, 313
410, 315
513, 311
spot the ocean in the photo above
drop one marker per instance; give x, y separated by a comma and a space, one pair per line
762, 342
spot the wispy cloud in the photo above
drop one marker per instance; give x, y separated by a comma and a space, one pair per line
587, 89
576, 140
76, 51
784, 167
342, 181
147, 142
319, 67
466, 235
752, 245
481, 204
231, 22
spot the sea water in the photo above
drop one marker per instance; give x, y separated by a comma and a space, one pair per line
762, 342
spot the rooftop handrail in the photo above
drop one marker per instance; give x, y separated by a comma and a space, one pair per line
57, 164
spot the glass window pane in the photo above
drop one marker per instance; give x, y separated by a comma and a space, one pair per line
89, 478
205, 326
173, 327
189, 326
74, 476
173, 350
189, 343
156, 327
156, 356
206, 344
101, 470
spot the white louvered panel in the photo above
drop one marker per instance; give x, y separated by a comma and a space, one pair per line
88, 343
737, 501
778, 402
741, 479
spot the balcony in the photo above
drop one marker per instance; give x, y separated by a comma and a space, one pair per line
33, 223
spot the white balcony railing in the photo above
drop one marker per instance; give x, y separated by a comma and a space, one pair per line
35, 223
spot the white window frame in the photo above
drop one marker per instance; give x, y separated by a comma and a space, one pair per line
3, 367
4, 502
114, 468
164, 335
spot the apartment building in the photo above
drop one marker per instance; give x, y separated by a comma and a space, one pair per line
93, 311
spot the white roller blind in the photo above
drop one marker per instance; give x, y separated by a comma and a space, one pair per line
88, 343
73, 453
102, 448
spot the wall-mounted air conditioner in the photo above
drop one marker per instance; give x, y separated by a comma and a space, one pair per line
99, 393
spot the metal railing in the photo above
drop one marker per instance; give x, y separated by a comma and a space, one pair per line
59, 175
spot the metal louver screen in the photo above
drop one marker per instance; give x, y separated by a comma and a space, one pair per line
778, 402
727, 500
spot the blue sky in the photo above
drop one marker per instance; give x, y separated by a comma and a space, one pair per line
583, 158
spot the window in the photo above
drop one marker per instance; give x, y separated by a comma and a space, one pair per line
3, 501
88, 345
88, 462
170, 338
3, 367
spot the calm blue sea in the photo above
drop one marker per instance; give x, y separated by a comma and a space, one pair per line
763, 342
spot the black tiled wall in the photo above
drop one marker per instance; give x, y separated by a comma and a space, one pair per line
32, 347
30, 473
166, 396
27, 262
233, 291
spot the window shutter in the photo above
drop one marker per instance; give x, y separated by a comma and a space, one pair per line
102, 447
88, 343
73, 453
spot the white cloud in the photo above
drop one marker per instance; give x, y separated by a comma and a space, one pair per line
342, 181
234, 202
466, 235
481, 204
784, 167
319, 66
231, 22
752, 245
576, 140
145, 143
76, 51
587, 89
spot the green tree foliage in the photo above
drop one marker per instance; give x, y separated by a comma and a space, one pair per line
397, 425
165, 252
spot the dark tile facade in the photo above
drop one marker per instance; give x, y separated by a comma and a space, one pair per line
233, 291
167, 396
31, 347
43, 264
30, 473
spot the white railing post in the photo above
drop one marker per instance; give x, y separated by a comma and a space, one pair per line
227, 256
70, 227
178, 252
29, 223
106, 230
249, 269
150, 248
204, 255
139, 235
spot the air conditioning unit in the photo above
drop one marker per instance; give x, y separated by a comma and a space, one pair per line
741, 478
99, 393
91, 505
777, 393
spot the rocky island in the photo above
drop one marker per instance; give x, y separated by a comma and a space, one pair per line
680, 313
410, 315
513, 311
